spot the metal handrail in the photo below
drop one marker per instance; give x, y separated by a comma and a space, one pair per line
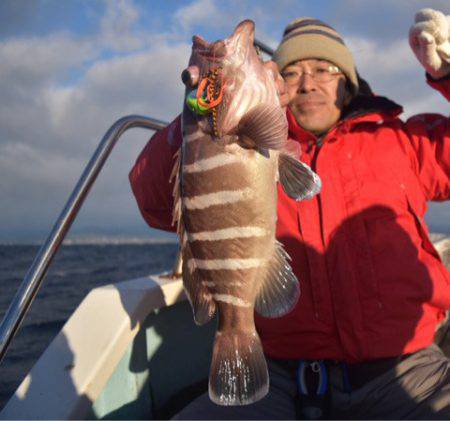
264, 47
35, 275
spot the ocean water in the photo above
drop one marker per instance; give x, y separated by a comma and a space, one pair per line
76, 269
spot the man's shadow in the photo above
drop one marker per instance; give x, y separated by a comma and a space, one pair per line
378, 301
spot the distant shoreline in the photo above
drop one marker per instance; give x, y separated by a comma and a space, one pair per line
97, 241
107, 240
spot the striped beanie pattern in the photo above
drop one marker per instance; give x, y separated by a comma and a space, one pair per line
307, 38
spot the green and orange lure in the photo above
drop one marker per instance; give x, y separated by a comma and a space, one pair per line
205, 99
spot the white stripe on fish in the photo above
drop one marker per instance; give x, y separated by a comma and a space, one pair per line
209, 284
227, 264
234, 284
231, 299
210, 163
218, 198
228, 234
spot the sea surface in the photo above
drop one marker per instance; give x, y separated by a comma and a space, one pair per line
76, 269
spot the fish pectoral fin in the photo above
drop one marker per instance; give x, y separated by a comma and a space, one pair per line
202, 303
280, 290
299, 181
265, 125
238, 373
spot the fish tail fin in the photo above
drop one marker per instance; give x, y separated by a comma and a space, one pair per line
238, 374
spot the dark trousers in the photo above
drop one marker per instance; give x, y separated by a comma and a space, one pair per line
418, 387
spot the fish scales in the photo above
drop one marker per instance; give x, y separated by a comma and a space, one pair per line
215, 180
200, 221
234, 132
218, 209
191, 148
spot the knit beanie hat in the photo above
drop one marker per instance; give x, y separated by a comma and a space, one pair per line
307, 38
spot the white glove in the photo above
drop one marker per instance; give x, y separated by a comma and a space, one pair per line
429, 39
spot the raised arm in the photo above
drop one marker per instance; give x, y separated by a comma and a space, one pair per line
429, 38
150, 176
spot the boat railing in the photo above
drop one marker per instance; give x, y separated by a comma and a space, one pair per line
35, 275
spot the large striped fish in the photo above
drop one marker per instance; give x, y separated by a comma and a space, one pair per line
234, 135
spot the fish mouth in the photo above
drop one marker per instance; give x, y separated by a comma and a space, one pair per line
244, 33
242, 38
210, 74
210, 51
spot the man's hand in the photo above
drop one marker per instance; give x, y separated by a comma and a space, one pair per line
429, 38
279, 81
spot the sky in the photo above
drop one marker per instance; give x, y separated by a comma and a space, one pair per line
70, 68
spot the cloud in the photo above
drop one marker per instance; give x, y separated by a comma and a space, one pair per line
51, 123
383, 19
30, 62
142, 83
380, 59
59, 95
16, 14
28, 164
117, 26
62, 90
429, 102
200, 12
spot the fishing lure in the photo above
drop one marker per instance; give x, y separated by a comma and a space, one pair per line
205, 99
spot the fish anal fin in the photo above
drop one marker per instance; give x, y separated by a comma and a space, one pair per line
238, 373
265, 125
280, 290
299, 181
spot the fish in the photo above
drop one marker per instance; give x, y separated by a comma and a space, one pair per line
233, 154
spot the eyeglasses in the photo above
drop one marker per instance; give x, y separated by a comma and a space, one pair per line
321, 73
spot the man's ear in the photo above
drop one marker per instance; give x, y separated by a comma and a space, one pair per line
347, 98
347, 94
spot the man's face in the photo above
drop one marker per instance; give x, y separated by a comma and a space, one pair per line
316, 104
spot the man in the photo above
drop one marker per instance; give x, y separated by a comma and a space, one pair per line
359, 344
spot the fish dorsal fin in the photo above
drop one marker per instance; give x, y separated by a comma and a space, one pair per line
265, 125
197, 293
299, 181
175, 178
280, 290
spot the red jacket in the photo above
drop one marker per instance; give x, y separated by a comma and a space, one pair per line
372, 285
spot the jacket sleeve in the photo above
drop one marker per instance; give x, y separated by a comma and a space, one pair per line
150, 175
430, 138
